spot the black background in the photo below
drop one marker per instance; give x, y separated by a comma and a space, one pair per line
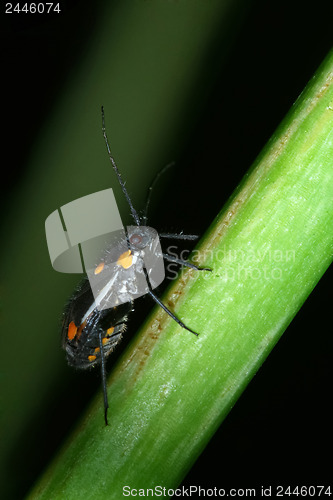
280, 430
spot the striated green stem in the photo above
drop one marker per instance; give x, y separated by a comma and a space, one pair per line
268, 248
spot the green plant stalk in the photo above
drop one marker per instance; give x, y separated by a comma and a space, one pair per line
268, 248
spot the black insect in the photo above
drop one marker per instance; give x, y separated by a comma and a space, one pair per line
89, 334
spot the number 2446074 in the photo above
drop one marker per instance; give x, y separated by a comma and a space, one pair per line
33, 8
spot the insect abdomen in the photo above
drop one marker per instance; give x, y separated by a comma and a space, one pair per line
85, 352
84, 325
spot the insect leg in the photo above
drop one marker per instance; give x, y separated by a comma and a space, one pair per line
179, 236
186, 263
164, 307
106, 403
180, 323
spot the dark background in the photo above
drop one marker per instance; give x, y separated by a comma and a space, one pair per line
280, 430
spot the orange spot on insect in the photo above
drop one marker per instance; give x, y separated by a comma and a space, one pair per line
97, 350
99, 268
72, 329
105, 340
81, 327
125, 260
91, 358
110, 330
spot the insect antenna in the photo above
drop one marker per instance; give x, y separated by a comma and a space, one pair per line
176, 236
151, 187
120, 180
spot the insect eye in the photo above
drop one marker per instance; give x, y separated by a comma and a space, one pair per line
135, 239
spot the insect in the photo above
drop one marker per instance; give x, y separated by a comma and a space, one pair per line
89, 334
